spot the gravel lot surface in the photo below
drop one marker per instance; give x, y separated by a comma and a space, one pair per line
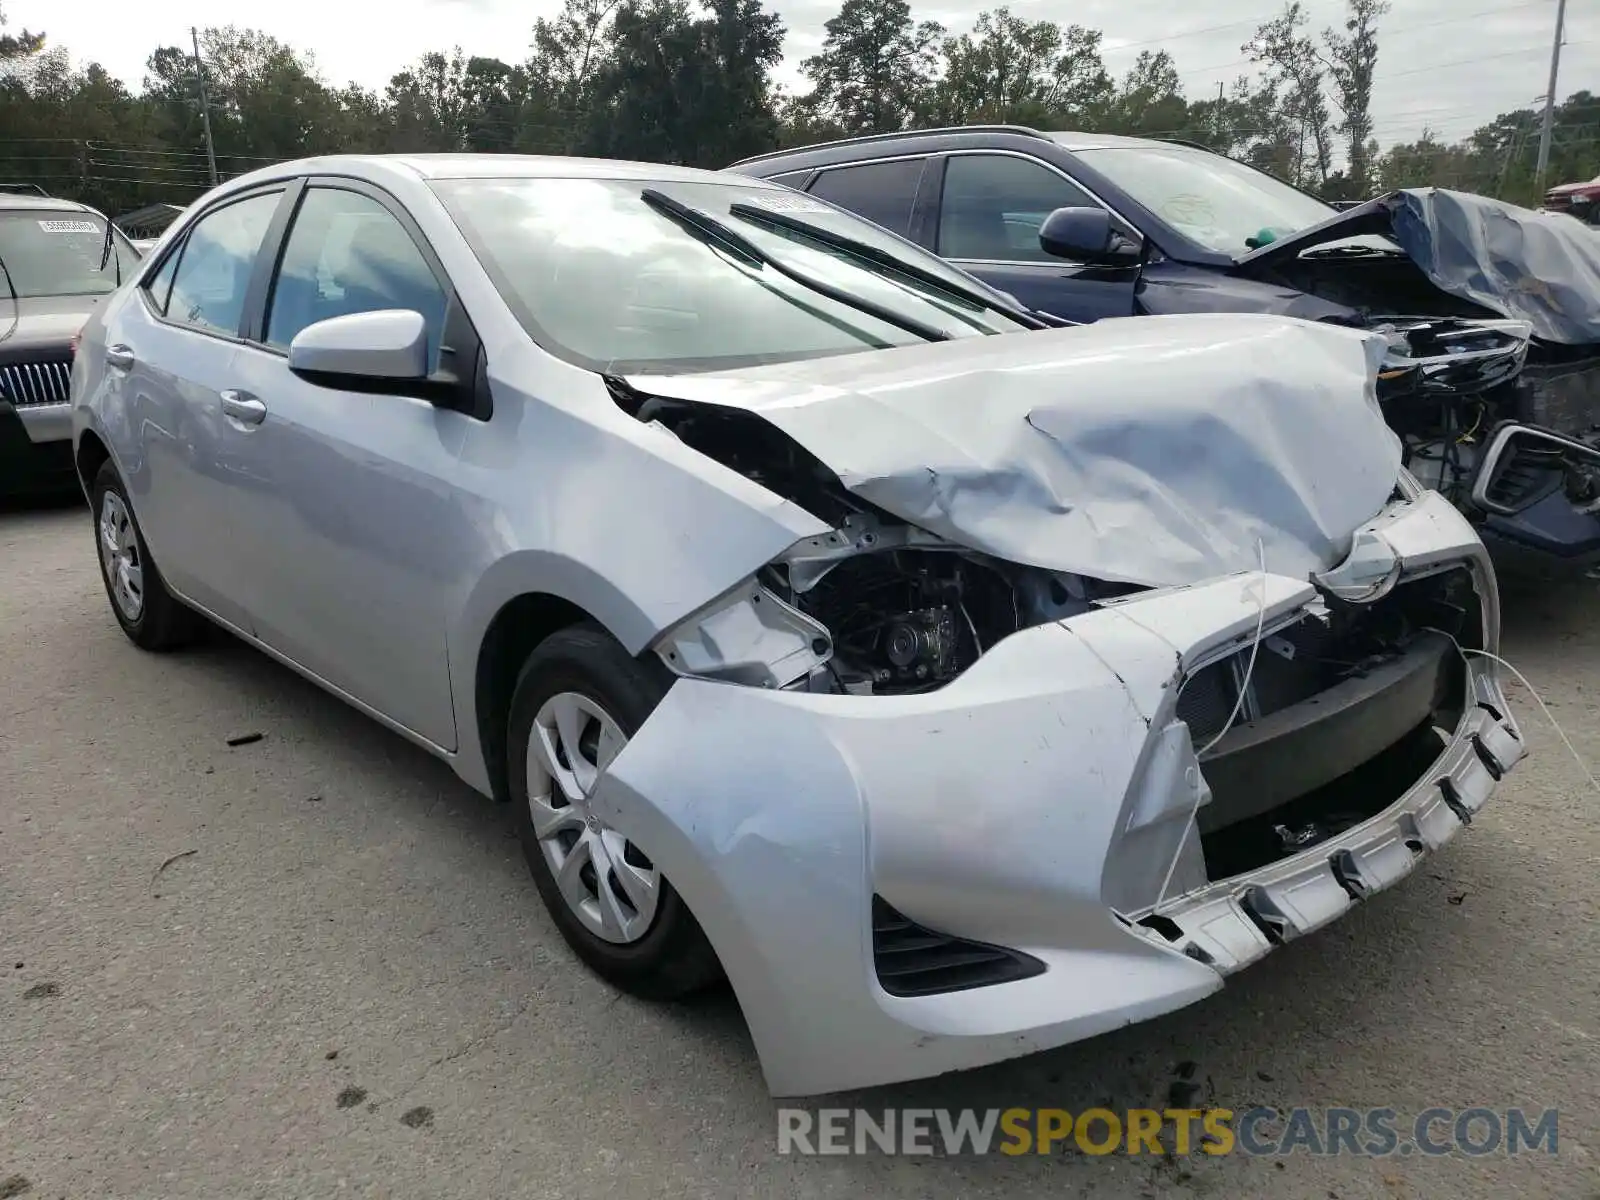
315, 965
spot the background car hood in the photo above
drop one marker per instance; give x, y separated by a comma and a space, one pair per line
1543, 268
42, 321
1151, 450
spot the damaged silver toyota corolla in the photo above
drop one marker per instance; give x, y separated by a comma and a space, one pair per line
955, 693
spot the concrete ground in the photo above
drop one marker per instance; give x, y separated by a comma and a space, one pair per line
315, 965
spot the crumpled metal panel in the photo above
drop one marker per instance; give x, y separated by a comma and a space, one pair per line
1155, 450
1543, 268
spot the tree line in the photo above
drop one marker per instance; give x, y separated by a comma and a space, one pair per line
690, 81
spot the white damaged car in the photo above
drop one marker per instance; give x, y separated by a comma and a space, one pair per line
954, 687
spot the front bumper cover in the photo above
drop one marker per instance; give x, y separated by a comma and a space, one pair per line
1033, 803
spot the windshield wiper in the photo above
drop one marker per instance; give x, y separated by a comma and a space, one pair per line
708, 227
106, 251
16, 302
1353, 252
868, 253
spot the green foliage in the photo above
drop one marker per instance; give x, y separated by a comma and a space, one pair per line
689, 81
683, 87
876, 69
15, 46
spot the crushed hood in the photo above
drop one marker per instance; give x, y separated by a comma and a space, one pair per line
1543, 268
1150, 450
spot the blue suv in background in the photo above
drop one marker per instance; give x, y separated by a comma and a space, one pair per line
1493, 387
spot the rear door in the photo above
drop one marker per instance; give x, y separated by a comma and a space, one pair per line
991, 204
171, 348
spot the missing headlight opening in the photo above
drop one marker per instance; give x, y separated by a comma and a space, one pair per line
891, 609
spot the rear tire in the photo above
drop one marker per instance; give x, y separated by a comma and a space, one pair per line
149, 614
578, 699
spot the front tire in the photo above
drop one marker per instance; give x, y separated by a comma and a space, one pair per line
149, 614
579, 698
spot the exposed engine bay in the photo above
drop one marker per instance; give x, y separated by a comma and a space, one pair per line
890, 609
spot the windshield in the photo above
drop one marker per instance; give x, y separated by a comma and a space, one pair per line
601, 277
1219, 203
52, 253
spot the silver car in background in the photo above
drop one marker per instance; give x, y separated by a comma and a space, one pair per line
956, 688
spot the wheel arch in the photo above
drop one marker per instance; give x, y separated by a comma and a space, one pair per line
88, 457
520, 624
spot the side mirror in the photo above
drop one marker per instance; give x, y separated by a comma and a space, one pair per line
363, 351
1088, 235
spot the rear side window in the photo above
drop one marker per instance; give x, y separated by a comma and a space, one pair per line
881, 192
213, 273
994, 204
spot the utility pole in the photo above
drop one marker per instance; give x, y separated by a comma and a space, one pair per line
205, 104
1550, 102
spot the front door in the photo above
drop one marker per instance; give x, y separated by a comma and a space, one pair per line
346, 512
990, 210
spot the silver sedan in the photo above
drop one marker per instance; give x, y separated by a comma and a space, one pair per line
954, 686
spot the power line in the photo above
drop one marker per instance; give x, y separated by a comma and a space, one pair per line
1384, 31
1467, 62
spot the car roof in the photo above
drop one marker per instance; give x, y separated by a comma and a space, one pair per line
485, 166
21, 202
913, 141
1105, 141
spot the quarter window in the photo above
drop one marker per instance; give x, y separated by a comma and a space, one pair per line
994, 204
883, 193
214, 268
161, 282
347, 254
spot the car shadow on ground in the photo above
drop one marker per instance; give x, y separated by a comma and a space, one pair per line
61, 500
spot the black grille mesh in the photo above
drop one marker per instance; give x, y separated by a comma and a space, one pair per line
914, 961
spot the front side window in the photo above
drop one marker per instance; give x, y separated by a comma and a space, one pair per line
994, 204
596, 274
57, 253
883, 193
346, 253
214, 266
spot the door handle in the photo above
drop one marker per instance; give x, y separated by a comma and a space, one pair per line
243, 407
120, 356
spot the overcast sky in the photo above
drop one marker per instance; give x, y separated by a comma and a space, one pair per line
1448, 64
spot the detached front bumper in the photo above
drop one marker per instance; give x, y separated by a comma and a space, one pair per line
1036, 804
